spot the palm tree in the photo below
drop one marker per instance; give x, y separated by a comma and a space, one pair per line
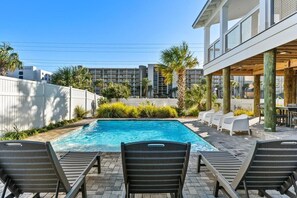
75, 76
9, 60
177, 59
145, 84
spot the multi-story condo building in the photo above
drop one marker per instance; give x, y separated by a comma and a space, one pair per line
262, 42
134, 76
193, 76
31, 73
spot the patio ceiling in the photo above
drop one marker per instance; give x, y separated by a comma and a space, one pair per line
286, 58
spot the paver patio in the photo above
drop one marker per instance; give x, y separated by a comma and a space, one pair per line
110, 182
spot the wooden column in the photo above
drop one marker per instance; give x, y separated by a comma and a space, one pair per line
294, 87
269, 90
257, 94
208, 91
288, 86
226, 90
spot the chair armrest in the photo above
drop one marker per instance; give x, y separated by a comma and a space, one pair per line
208, 114
228, 120
76, 187
240, 121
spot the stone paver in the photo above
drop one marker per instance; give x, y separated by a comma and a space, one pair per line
110, 182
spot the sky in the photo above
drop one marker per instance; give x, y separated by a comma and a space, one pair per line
99, 33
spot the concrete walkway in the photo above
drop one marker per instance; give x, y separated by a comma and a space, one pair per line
110, 182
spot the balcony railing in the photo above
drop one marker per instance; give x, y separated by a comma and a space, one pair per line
248, 27
243, 30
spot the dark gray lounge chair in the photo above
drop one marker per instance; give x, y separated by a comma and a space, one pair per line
155, 167
33, 167
270, 165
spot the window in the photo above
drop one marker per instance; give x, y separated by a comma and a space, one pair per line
20, 77
21, 72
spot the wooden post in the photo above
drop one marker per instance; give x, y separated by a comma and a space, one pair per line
226, 90
257, 94
269, 90
288, 86
294, 86
208, 91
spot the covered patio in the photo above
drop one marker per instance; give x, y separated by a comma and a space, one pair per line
279, 61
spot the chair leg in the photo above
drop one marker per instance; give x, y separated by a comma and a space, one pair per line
98, 164
216, 189
36, 195
246, 189
10, 196
84, 189
5, 187
261, 193
199, 164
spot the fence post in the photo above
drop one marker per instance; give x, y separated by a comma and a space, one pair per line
86, 100
44, 103
70, 98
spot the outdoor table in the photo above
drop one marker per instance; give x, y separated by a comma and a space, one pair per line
285, 111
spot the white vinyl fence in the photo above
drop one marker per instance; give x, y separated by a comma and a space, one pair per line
29, 104
155, 101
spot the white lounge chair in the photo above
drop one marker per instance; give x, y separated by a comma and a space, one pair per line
236, 123
201, 114
208, 117
217, 119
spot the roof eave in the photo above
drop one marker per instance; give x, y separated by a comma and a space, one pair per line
195, 24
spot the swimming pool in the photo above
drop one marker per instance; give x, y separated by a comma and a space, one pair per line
107, 136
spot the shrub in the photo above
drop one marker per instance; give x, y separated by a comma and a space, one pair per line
166, 112
193, 111
243, 111
14, 136
102, 100
31, 132
80, 112
147, 111
113, 110
42, 130
120, 110
50, 126
132, 112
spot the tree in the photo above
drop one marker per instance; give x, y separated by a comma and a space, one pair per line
9, 60
117, 91
75, 76
234, 85
145, 84
100, 84
177, 59
196, 97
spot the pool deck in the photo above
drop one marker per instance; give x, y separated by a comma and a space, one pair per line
110, 182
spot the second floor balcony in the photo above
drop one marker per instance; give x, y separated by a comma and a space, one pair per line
248, 25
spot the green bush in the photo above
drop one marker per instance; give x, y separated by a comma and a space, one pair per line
147, 111
238, 112
80, 112
42, 130
113, 110
14, 136
193, 111
166, 112
120, 110
50, 126
132, 112
31, 132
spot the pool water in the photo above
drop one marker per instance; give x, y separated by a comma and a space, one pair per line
107, 136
